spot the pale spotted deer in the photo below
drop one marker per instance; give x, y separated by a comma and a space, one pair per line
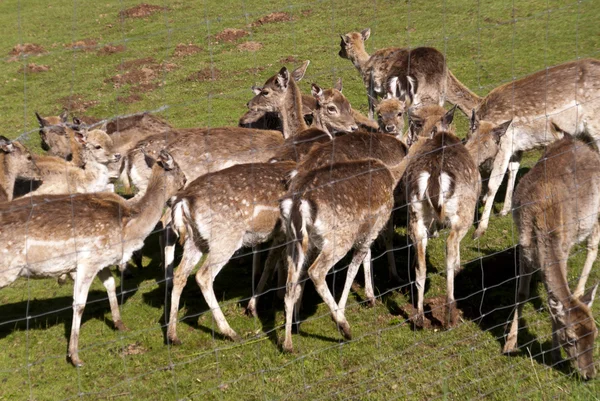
83, 235
557, 205
567, 95
425, 65
15, 162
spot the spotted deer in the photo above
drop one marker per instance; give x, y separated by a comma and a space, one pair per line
220, 212
556, 207
425, 65
83, 235
15, 162
59, 176
391, 110
566, 95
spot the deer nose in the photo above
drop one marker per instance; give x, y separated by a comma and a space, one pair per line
354, 128
390, 128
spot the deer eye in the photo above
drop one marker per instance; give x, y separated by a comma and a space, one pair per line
400, 114
331, 109
264, 93
98, 147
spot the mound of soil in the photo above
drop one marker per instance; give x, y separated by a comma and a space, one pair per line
229, 35
183, 50
205, 74
76, 103
85, 45
250, 46
141, 11
435, 312
26, 48
110, 49
271, 18
129, 99
289, 60
34, 68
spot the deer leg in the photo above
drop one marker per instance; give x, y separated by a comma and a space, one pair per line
205, 278
368, 270
513, 169
359, 256
592, 252
500, 165
80, 293
328, 257
106, 276
452, 265
292, 294
270, 264
388, 237
510, 346
418, 233
191, 257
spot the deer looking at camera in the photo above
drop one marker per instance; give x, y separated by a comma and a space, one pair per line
566, 95
15, 162
557, 206
82, 235
425, 65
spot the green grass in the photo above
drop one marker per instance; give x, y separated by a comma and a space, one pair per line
386, 359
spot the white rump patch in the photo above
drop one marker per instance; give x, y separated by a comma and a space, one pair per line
285, 206
445, 184
422, 183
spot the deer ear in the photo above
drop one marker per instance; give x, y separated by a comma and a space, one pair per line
64, 116
474, 122
299, 72
317, 92
6, 145
374, 100
338, 85
283, 78
448, 118
77, 121
165, 160
589, 296
365, 33
557, 309
345, 38
80, 137
43, 122
256, 89
500, 130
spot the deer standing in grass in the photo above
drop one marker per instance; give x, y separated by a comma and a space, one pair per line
556, 207
567, 95
425, 65
82, 235
238, 206
15, 162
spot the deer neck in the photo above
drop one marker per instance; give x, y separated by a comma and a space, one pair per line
96, 175
291, 114
361, 59
318, 122
7, 177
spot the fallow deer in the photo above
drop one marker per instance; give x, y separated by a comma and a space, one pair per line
15, 162
556, 206
425, 64
567, 95
84, 234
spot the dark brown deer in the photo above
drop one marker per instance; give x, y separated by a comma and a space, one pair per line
556, 206
83, 235
426, 65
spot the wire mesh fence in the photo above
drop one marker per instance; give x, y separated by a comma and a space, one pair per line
191, 63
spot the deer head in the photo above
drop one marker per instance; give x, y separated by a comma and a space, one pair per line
390, 111
353, 44
271, 97
333, 111
18, 159
484, 139
426, 121
97, 145
53, 134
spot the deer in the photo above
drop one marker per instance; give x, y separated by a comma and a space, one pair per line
566, 95
15, 162
59, 176
82, 235
58, 137
556, 207
242, 201
425, 65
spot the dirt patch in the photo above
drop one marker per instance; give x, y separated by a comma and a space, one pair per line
26, 49
34, 68
183, 50
141, 71
127, 65
141, 11
133, 349
289, 60
133, 98
87, 120
271, 18
86, 45
110, 49
230, 35
255, 70
250, 46
435, 313
306, 12
76, 103
206, 74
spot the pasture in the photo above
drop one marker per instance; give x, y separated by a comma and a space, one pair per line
195, 61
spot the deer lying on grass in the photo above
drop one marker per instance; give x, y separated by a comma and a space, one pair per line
84, 234
425, 64
238, 206
567, 95
556, 206
59, 176
15, 162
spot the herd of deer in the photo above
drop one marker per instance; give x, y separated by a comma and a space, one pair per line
319, 191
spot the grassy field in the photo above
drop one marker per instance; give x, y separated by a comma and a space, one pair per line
107, 58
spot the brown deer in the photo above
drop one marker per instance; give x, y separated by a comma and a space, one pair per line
84, 234
425, 65
556, 206
59, 176
567, 95
15, 162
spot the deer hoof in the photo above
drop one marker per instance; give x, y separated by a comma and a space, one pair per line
119, 325
419, 321
287, 346
504, 212
450, 314
345, 327
371, 302
175, 341
510, 347
478, 233
74, 359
